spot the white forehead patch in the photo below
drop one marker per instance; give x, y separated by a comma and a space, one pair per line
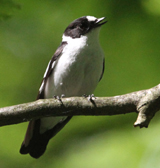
91, 18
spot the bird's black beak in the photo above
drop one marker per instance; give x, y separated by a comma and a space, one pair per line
100, 22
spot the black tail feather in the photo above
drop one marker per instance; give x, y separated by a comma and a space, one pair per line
38, 143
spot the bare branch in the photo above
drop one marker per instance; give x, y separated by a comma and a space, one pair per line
145, 102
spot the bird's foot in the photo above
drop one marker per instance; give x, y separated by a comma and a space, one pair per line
62, 95
59, 97
90, 97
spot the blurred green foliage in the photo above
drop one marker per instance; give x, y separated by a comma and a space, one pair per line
7, 8
130, 41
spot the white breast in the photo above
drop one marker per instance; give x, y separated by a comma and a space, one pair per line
78, 69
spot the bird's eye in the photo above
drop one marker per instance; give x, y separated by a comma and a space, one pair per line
83, 26
72, 27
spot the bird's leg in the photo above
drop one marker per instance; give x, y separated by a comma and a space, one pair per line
56, 97
89, 97
59, 98
84, 95
62, 95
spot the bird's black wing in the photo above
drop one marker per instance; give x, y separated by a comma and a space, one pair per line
49, 69
103, 67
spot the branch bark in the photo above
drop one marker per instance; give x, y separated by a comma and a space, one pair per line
145, 102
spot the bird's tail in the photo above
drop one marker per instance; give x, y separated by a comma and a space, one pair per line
35, 143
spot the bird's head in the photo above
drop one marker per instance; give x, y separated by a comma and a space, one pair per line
83, 26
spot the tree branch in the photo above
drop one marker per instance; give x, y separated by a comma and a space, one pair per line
145, 102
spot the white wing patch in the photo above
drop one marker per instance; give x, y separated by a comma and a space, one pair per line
53, 64
44, 76
41, 87
47, 69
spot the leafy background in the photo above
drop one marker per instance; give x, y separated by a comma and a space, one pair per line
30, 32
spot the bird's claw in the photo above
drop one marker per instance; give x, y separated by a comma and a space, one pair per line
84, 95
90, 97
62, 95
59, 98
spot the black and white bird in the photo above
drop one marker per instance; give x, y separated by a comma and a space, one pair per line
74, 70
